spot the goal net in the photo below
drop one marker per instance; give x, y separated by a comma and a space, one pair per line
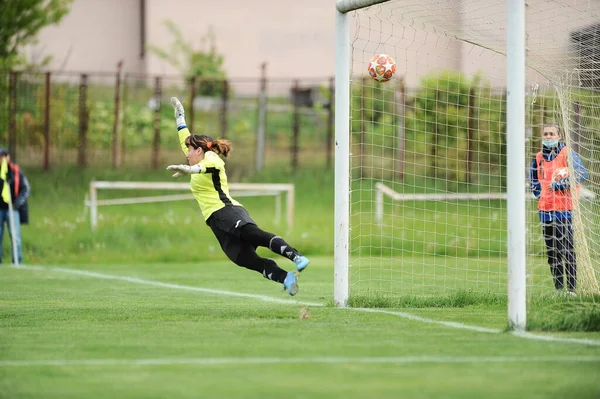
428, 150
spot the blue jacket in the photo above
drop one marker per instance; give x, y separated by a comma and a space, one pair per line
581, 174
19, 201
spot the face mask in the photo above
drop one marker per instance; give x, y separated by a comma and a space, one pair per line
550, 143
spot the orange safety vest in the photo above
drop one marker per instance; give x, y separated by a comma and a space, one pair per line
15, 169
551, 200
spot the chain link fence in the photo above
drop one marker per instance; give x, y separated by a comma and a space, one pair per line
122, 120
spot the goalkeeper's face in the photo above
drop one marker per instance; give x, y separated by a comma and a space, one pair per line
195, 155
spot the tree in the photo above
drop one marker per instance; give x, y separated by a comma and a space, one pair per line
205, 64
21, 21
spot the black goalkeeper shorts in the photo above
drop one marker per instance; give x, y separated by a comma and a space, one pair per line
226, 224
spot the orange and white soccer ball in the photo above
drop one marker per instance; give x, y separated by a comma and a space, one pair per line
382, 67
560, 173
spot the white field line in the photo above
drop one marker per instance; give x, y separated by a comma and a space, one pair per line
540, 337
429, 321
264, 298
136, 280
215, 361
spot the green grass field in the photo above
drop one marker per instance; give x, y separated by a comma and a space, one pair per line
210, 329
147, 306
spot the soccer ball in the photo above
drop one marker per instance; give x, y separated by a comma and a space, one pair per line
560, 173
382, 67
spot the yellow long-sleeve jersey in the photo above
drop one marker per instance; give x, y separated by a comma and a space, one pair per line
210, 188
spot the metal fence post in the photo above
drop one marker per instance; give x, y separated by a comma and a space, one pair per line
83, 121
156, 124
224, 107
190, 110
115, 144
295, 125
46, 165
12, 114
262, 117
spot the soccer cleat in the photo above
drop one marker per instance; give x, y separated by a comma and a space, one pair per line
301, 262
290, 284
571, 293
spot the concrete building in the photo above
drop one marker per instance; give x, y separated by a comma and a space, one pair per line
295, 39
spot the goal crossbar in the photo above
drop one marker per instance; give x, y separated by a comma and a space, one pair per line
236, 189
345, 6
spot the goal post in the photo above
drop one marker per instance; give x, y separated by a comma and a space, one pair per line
452, 137
279, 191
341, 284
515, 164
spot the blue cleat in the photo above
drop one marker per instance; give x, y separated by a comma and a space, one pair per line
301, 262
290, 284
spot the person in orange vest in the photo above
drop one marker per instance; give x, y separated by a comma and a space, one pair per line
550, 183
19, 190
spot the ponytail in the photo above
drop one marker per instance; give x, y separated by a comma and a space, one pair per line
220, 146
207, 143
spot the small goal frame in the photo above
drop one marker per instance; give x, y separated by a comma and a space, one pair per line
236, 190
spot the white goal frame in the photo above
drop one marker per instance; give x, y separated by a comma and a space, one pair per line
515, 156
235, 189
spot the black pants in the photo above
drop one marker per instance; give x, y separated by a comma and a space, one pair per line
558, 235
239, 236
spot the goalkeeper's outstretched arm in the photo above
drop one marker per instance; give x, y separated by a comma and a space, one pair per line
183, 133
182, 129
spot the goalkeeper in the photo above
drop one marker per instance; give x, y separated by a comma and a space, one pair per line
555, 204
237, 233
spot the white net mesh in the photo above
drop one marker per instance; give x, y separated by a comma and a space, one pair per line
428, 163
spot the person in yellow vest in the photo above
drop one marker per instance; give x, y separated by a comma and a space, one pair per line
550, 183
19, 192
237, 233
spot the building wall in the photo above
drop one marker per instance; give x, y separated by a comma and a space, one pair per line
93, 37
549, 51
294, 38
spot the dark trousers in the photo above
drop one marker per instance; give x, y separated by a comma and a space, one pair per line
558, 235
239, 236
252, 237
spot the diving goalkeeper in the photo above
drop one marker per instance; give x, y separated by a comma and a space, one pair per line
237, 233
